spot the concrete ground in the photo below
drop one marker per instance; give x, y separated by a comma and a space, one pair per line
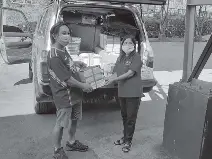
25, 135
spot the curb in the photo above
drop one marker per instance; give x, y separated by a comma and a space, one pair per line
2, 63
2, 51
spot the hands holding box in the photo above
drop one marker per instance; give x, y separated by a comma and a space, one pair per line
87, 87
111, 79
94, 76
80, 64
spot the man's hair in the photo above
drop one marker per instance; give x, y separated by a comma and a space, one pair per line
55, 30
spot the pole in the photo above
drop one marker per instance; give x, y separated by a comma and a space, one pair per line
189, 42
1, 18
141, 10
4, 12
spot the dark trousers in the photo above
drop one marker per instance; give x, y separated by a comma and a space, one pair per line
129, 111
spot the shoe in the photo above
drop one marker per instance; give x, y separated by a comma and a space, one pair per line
127, 147
76, 146
60, 154
120, 141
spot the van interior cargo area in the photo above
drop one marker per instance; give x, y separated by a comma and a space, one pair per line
89, 23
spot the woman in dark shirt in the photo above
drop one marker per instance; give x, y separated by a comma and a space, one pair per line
128, 70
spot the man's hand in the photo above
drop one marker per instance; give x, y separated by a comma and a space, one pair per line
87, 88
80, 64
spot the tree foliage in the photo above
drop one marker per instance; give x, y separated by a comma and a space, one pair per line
170, 22
175, 28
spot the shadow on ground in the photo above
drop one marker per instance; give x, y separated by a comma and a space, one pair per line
23, 81
154, 93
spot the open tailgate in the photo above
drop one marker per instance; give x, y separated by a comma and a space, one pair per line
150, 2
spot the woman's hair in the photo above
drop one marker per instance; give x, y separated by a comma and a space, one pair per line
122, 53
55, 30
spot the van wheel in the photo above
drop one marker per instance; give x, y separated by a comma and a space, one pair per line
147, 89
44, 108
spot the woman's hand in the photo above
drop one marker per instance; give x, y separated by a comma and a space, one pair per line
109, 81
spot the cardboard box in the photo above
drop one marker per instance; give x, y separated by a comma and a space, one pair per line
92, 70
74, 46
94, 76
98, 84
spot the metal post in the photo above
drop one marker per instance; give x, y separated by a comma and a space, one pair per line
189, 42
1, 17
4, 12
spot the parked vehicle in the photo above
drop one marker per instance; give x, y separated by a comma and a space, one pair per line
96, 24
15, 43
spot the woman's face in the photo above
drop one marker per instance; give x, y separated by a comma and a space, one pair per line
128, 46
63, 36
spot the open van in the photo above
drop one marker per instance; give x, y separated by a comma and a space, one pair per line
97, 28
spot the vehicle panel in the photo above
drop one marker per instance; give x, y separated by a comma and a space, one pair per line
15, 43
94, 27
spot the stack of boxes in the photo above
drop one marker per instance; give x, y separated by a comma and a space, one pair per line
73, 47
94, 76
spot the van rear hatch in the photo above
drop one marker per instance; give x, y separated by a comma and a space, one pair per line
150, 2
96, 26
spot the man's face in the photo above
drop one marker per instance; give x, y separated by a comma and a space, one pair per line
63, 36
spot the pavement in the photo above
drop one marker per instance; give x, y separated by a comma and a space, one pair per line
25, 135
1, 61
2, 66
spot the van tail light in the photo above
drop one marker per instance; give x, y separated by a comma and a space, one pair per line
148, 55
148, 58
44, 67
